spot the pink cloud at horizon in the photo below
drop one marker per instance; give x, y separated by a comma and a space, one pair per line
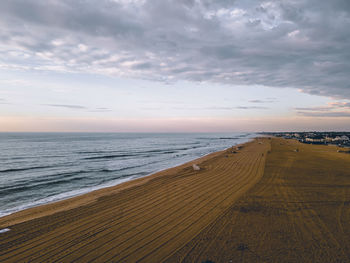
298, 123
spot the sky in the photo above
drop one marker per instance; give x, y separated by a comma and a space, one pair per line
174, 65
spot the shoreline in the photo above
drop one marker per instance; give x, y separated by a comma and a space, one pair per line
273, 200
85, 198
147, 219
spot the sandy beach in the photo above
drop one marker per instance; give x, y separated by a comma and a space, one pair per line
266, 202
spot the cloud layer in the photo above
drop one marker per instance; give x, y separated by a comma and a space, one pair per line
333, 109
66, 106
273, 43
77, 107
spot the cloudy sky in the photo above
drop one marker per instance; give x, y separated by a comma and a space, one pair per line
174, 65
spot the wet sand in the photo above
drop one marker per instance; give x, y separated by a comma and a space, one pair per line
264, 203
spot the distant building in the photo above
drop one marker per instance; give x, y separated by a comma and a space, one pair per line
328, 139
341, 138
314, 139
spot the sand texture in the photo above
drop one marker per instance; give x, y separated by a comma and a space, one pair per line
298, 212
265, 202
148, 221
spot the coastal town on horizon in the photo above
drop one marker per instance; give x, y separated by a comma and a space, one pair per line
316, 137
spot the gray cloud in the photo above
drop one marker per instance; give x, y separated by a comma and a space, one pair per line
79, 107
325, 114
257, 101
66, 106
331, 106
267, 100
251, 107
238, 108
313, 109
333, 109
102, 109
223, 108
340, 105
272, 43
3, 101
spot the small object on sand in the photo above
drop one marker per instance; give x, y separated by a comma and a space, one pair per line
296, 150
195, 167
4, 230
242, 247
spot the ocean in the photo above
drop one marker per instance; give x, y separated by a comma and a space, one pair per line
39, 168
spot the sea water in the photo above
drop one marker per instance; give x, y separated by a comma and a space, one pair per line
38, 168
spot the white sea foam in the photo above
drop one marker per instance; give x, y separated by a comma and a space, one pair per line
62, 196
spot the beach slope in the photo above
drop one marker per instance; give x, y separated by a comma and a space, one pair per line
273, 200
149, 220
298, 212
